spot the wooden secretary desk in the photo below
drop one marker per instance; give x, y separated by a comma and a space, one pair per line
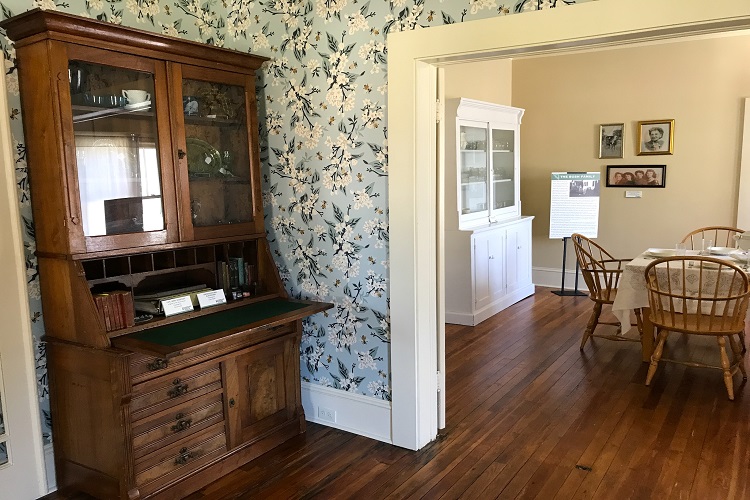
145, 183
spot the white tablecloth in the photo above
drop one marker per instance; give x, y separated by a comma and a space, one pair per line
632, 292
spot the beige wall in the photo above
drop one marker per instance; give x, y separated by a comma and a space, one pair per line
699, 83
484, 81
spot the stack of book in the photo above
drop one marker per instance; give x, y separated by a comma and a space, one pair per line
116, 309
235, 274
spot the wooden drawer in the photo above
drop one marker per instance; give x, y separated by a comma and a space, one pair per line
179, 459
173, 389
144, 367
168, 426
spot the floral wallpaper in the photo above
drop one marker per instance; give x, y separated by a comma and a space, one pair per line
324, 153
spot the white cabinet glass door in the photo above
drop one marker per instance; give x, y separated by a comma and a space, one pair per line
473, 192
503, 176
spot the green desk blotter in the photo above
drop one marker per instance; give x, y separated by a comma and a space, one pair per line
205, 326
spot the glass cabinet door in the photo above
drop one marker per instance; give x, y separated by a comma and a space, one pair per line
216, 159
118, 161
473, 170
503, 173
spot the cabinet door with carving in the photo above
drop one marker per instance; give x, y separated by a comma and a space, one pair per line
217, 154
262, 388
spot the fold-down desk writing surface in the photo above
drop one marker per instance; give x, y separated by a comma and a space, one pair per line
170, 340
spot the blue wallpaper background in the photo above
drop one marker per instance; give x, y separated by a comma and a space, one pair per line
324, 153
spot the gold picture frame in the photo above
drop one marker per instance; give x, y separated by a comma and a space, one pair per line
655, 137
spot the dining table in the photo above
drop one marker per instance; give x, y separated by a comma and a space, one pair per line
632, 294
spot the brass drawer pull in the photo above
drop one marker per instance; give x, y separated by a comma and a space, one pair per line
184, 457
158, 364
178, 390
182, 425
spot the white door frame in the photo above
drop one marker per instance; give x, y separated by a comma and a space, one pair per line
413, 58
23, 477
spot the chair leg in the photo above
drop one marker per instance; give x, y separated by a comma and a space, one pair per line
738, 357
725, 367
639, 322
742, 342
593, 321
656, 356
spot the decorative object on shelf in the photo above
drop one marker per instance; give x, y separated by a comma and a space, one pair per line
641, 176
190, 105
136, 96
656, 137
216, 102
203, 159
611, 139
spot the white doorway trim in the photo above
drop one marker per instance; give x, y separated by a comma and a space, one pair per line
413, 57
23, 476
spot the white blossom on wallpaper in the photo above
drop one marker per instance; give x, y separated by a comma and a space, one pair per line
322, 99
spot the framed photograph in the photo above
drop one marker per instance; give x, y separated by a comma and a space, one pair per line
656, 137
636, 176
610, 140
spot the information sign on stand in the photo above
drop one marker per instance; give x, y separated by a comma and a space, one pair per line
574, 208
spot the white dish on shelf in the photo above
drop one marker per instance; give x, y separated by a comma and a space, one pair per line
660, 252
138, 106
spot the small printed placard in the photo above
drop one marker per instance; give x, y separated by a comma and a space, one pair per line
211, 298
177, 305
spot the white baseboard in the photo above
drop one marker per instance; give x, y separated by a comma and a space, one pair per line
355, 413
551, 277
49, 466
468, 319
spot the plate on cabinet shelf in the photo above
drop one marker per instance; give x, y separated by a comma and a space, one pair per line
203, 159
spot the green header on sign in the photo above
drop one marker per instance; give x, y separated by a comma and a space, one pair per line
575, 176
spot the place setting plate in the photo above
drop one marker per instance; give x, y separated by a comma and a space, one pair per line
720, 251
660, 252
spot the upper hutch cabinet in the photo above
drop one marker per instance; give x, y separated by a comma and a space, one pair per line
145, 187
488, 162
158, 148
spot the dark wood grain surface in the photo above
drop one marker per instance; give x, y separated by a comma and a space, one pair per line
530, 416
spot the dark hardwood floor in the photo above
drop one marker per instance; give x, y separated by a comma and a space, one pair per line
530, 416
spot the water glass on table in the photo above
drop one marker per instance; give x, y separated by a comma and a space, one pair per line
705, 245
680, 248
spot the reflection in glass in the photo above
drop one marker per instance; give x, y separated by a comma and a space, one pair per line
3, 453
217, 153
473, 147
116, 151
503, 169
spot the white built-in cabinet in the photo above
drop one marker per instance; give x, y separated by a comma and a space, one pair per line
487, 241
486, 270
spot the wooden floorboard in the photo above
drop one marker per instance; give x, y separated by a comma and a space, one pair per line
529, 415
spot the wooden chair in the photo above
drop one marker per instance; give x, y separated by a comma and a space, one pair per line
723, 236
601, 272
698, 296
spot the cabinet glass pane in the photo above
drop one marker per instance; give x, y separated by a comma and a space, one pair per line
217, 153
503, 169
117, 153
473, 169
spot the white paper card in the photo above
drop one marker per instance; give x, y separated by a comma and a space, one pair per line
211, 298
177, 305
